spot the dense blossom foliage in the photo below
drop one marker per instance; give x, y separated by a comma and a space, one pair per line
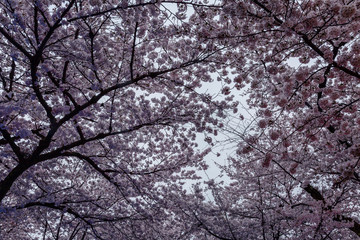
296, 172
102, 104
99, 116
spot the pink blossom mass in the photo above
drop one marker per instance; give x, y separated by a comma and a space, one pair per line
112, 112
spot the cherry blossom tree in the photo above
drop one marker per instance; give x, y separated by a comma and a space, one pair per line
101, 110
295, 174
100, 113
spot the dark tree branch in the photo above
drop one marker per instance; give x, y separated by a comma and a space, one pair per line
13, 145
133, 53
15, 43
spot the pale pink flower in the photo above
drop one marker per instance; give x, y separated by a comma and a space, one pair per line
226, 91
262, 123
293, 168
348, 11
274, 135
268, 158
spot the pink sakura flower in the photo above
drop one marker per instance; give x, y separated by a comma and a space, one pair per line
324, 103
312, 138
263, 105
272, 70
329, 146
355, 26
328, 55
254, 84
328, 90
356, 48
319, 79
124, 3
293, 168
334, 32
238, 86
286, 144
23, 133
304, 59
274, 135
300, 76
341, 86
275, 92
238, 79
347, 11
208, 140
344, 126
282, 102
268, 158
336, 8
355, 61
226, 91
351, 109
252, 139
262, 123
284, 155
245, 150
267, 113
